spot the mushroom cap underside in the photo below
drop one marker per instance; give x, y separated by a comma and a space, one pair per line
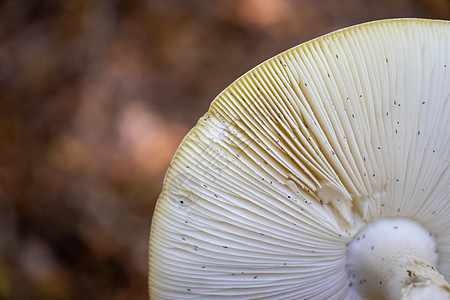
296, 156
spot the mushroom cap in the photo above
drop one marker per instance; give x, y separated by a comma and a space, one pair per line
265, 193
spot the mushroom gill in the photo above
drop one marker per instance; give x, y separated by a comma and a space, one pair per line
295, 157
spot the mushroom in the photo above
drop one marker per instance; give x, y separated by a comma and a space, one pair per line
322, 173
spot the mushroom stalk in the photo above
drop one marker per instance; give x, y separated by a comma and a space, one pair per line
424, 282
395, 259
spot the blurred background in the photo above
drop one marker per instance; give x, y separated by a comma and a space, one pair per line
95, 97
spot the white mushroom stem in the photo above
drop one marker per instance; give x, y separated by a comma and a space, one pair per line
395, 259
424, 282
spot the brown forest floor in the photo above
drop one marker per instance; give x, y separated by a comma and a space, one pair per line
95, 97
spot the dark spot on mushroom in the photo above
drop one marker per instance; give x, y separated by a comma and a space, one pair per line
423, 102
255, 277
395, 227
380, 282
372, 247
337, 56
398, 210
188, 290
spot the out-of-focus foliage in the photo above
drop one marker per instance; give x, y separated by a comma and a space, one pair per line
95, 96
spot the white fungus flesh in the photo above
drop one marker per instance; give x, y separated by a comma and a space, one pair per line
390, 258
295, 159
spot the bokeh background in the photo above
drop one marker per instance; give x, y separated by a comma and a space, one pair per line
95, 97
